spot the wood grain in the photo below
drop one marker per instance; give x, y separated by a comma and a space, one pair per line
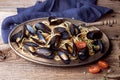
17, 68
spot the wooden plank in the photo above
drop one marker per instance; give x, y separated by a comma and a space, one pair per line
109, 4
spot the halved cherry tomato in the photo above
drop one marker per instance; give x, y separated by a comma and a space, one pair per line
80, 44
103, 64
94, 69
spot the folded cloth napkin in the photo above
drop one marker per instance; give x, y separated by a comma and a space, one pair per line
84, 10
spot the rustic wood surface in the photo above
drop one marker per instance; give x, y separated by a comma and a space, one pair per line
14, 67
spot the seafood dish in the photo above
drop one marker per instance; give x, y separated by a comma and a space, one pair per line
59, 40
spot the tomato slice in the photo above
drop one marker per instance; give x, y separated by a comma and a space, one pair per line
80, 44
94, 69
103, 64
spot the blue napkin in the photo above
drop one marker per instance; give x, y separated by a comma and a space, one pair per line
84, 10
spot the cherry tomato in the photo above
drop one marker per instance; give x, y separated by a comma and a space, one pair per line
80, 44
94, 69
103, 64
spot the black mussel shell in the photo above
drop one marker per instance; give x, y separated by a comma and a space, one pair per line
31, 49
54, 42
19, 36
59, 30
15, 36
55, 21
41, 37
42, 27
64, 34
63, 54
30, 29
96, 34
100, 44
71, 49
83, 54
45, 53
74, 30
74, 49
31, 44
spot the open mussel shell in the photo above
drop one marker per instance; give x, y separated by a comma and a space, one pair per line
37, 41
83, 54
45, 52
71, 49
15, 36
30, 49
99, 45
74, 30
63, 32
54, 42
55, 21
41, 26
63, 54
95, 34
18, 36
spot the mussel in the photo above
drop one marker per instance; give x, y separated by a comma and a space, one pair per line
83, 54
30, 48
30, 29
95, 34
31, 44
98, 46
41, 37
54, 42
63, 54
64, 34
45, 52
41, 26
55, 21
74, 30
71, 49
16, 36
38, 41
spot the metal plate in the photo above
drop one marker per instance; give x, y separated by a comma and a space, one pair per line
50, 62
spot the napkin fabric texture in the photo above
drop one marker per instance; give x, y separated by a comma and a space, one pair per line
84, 10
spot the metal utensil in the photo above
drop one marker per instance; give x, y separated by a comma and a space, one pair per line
100, 23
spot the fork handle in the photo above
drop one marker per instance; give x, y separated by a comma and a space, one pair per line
100, 23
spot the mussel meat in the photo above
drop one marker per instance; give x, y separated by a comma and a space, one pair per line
95, 34
83, 54
41, 26
55, 21
63, 54
45, 52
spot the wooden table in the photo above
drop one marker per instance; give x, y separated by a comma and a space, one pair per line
17, 68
